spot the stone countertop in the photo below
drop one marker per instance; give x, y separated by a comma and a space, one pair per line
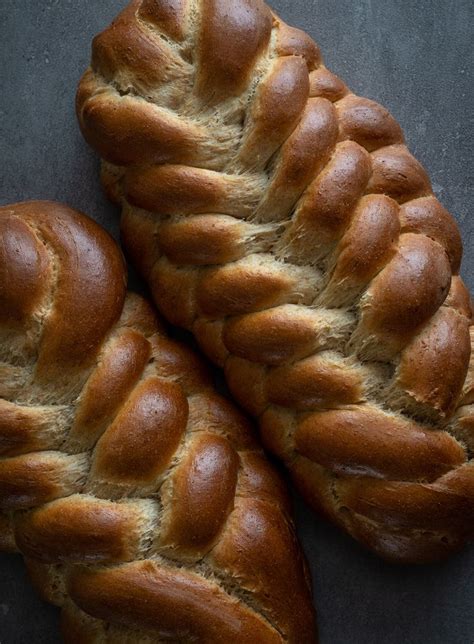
414, 57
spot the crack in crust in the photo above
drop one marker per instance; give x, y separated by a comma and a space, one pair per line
349, 333
138, 496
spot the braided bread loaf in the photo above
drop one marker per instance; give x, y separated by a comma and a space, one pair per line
137, 495
282, 219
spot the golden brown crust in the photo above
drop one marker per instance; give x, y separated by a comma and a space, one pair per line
201, 495
168, 16
295, 42
394, 447
123, 474
24, 267
82, 274
232, 36
82, 529
169, 600
303, 246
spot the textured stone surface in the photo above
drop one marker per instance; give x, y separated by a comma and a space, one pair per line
414, 57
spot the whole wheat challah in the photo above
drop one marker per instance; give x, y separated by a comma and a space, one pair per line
282, 219
136, 494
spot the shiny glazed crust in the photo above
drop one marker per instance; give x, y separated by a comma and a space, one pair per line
137, 495
282, 219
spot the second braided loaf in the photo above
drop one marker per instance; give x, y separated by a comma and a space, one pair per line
283, 220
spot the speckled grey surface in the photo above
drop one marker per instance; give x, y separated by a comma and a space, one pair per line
415, 57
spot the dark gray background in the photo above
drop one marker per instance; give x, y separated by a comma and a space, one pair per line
415, 57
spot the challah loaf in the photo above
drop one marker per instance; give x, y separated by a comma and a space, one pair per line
137, 495
282, 219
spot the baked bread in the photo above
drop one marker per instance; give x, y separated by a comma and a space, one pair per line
282, 219
137, 495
